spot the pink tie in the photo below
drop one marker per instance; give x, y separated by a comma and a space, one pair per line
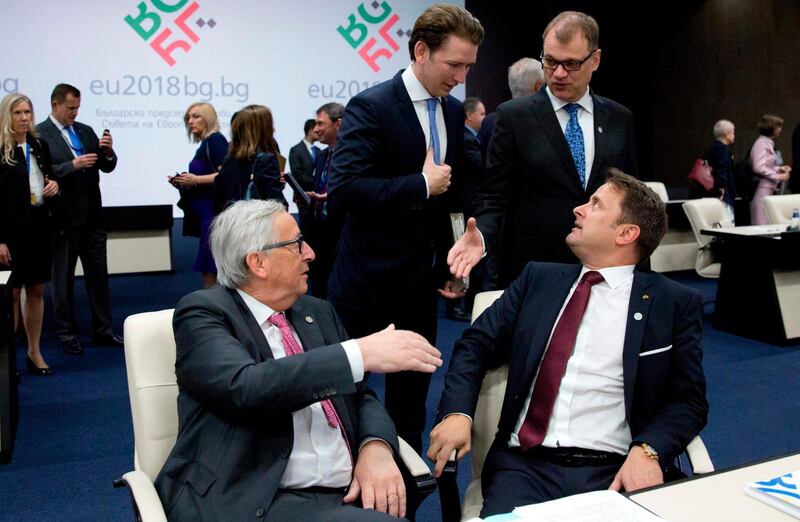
554, 363
292, 347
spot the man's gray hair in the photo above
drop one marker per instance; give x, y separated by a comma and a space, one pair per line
244, 227
721, 128
523, 75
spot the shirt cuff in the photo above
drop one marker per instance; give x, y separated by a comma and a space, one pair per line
354, 357
456, 413
370, 439
483, 243
427, 187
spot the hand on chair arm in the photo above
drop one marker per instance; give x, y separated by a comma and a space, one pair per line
377, 480
453, 433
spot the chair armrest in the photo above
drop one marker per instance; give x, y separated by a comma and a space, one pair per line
146, 503
698, 456
416, 467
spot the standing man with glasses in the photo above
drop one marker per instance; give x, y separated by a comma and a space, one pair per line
548, 153
390, 179
78, 157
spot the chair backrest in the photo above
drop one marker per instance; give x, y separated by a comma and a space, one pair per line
703, 214
152, 386
659, 188
779, 208
490, 399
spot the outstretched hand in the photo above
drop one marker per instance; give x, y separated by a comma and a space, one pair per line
466, 252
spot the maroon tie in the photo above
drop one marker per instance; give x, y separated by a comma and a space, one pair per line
555, 363
292, 347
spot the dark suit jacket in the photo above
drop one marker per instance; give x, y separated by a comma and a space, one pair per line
665, 392
302, 165
15, 190
472, 169
233, 179
720, 158
236, 401
392, 233
531, 179
80, 203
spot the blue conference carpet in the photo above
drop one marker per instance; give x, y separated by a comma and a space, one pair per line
75, 435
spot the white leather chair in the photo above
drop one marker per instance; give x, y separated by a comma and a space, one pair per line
487, 417
779, 208
153, 390
659, 188
706, 213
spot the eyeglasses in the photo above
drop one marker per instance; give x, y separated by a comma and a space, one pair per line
568, 65
298, 240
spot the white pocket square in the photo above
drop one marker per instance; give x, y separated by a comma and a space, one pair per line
657, 350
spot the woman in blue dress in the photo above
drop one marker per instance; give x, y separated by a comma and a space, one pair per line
197, 185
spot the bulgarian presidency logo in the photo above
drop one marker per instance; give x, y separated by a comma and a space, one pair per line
148, 21
375, 31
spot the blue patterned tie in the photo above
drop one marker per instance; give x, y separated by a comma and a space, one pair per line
77, 146
437, 151
574, 136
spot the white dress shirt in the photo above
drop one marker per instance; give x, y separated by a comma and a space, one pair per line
585, 120
35, 176
319, 454
309, 146
419, 98
589, 411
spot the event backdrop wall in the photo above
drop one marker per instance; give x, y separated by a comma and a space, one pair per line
139, 65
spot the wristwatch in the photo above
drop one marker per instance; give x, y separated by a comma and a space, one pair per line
649, 451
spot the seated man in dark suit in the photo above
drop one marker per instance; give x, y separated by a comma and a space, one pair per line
605, 383
275, 419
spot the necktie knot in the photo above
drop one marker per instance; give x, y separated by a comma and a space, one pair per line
592, 277
278, 319
572, 109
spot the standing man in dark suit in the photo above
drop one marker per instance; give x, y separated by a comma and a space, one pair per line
547, 154
605, 377
303, 156
321, 228
275, 419
78, 157
389, 179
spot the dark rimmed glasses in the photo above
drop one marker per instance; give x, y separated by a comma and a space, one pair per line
298, 240
568, 65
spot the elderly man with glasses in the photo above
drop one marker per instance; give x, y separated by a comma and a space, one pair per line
275, 420
548, 153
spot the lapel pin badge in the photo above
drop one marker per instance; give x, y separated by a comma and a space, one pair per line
637, 316
600, 130
645, 297
309, 319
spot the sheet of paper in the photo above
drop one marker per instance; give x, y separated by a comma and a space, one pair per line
597, 506
4, 275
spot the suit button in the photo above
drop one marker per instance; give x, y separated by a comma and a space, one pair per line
260, 512
333, 392
315, 395
516, 397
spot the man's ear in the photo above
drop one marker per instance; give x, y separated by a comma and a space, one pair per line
420, 52
627, 234
257, 264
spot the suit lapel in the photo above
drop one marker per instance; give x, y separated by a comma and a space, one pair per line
406, 108
542, 109
638, 311
252, 326
546, 311
56, 137
306, 324
600, 122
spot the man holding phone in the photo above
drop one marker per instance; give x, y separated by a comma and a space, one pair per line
78, 157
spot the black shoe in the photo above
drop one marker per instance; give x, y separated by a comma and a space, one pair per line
72, 347
35, 370
457, 314
109, 340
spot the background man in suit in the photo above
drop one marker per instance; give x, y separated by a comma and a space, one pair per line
547, 154
322, 229
302, 157
272, 404
394, 196
619, 390
525, 78
78, 157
